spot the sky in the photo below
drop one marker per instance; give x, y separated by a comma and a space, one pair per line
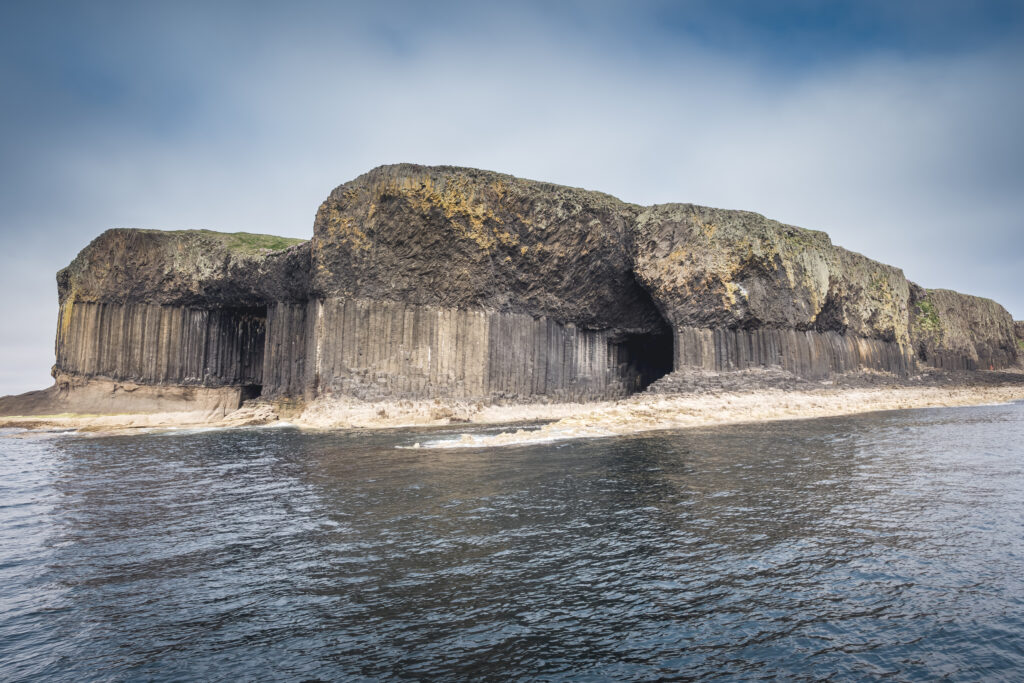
896, 127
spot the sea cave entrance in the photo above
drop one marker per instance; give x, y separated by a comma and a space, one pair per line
237, 348
643, 358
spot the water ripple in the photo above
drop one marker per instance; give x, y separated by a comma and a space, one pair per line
861, 547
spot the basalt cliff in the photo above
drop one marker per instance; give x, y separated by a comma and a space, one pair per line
442, 282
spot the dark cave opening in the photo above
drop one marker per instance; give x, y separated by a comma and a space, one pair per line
644, 358
235, 351
251, 391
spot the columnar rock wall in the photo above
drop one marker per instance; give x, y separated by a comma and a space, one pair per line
809, 354
380, 349
286, 372
153, 344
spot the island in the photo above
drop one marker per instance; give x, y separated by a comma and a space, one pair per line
439, 294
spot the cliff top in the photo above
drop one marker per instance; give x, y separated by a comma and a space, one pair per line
243, 242
187, 267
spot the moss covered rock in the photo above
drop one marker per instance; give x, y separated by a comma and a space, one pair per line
961, 332
187, 267
714, 268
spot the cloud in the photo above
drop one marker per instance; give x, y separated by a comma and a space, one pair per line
244, 117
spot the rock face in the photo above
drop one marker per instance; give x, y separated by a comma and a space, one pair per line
1018, 328
197, 268
427, 282
465, 284
476, 240
743, 291
960, 332
182, 308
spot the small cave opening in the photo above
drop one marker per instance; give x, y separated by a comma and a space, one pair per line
251, 391
643, 358
235, 346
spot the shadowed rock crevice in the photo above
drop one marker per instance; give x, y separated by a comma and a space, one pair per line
645, 358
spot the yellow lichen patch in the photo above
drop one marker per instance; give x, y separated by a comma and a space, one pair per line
457, 200
350, 196
65, 313
346, 230
731, 289
499, 189
525, 220
507, 238
707, 230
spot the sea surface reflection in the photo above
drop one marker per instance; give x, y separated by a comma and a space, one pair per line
886, 544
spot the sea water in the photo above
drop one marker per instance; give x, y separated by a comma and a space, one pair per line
889, 544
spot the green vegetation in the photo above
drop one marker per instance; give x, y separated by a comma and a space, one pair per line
238, 241
928, 316
880, 286
247, 241
1020, 344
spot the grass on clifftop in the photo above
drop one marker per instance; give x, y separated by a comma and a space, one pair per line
247, 241
251, 242
239, 241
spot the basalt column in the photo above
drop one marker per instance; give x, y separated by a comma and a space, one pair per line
153, 344
379, 349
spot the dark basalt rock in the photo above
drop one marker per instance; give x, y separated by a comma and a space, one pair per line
470, 239
957, 331
199, 268
713, 268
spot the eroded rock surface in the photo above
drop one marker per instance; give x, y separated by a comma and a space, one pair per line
713, 268
469, 239
957, 331
199, 268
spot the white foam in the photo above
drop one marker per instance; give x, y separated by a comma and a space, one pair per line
520, 437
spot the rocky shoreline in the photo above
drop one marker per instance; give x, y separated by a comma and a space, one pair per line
682, 400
